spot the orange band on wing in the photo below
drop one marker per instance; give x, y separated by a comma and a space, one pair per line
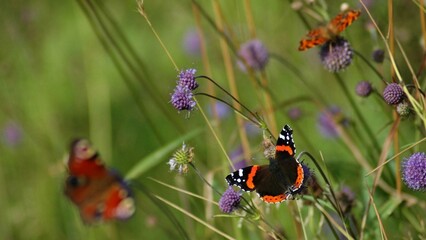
300, 177
274, 199
251, 175
283, 148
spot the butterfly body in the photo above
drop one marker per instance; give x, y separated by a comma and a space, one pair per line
329, 32
99, 193
279, 180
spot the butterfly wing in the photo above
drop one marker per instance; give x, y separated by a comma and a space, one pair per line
260, 179
286, 166
314, 38
321, 35
344, 20
277, 181
99, 193
115, 202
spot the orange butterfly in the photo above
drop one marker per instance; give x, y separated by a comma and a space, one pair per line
323, 34
100, 193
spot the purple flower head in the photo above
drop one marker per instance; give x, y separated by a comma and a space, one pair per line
306, 173
294, 113
182, 99
12, 134
254, 54
414, 171
363, 89
229, 201
393, 94
336, 55
328, 119
378, 55
187, 79
192, 42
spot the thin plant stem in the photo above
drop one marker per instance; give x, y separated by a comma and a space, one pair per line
215, 135
229, 105
364, 124
231, 80
379, 75
141, 10
162, 207
335, 202
117, 64
230, 95
202, 178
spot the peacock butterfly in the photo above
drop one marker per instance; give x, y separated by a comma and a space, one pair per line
100, 193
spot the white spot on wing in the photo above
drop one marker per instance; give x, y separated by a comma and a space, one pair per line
240, 172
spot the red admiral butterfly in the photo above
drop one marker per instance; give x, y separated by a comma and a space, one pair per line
278, 181
99, 193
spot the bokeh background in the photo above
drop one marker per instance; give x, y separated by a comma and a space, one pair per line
59, 82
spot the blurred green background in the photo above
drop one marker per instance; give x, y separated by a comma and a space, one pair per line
57, 83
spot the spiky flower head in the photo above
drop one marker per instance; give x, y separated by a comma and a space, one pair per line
254, 54
414, 171
403, 109
187, 79
363, 89
336, 55
378, 55
229, 201
182, 99
328, 120
181, 158
393, 94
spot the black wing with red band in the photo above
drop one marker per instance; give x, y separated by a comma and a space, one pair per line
277, 181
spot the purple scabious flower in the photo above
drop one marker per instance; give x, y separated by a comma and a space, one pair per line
229, 201
12, 134
414, 171
378, 55
254, 54
393, 94
363, 89
221, 109
187, 79
192, 42
328, 119
294, 113
336, 55
182, 99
